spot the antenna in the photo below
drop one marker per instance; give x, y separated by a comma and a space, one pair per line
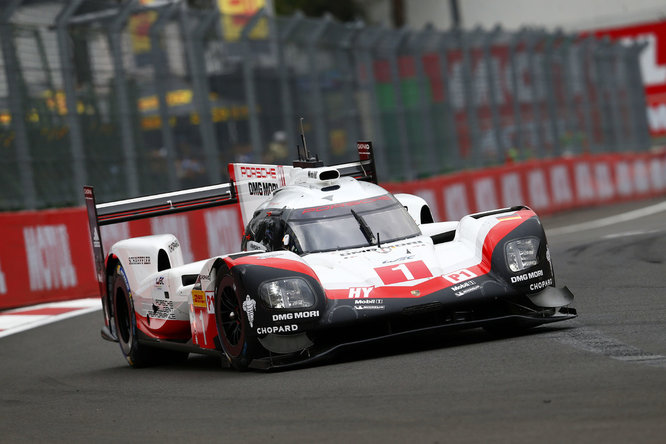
305, 145
305, 160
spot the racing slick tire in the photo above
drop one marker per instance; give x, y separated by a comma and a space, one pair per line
137, 355
233, 325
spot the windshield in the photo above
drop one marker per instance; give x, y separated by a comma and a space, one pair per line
351, 224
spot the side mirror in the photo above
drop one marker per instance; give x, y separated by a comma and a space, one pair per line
255, 246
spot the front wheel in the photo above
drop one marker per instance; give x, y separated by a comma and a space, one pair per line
137, 354
234, 319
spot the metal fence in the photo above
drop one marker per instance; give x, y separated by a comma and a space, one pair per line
137, 99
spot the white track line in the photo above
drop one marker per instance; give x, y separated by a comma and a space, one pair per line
13, 321
611, 220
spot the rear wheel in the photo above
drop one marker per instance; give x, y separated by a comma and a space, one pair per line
136, 354
234, 323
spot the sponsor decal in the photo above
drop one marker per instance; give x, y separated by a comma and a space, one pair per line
459, 276
527, 276
3, 282
541, 285
407, 271
369, 307
277, 329
467, 290
163, 309
173, 245
385, 249
464, 285
399, 259
369, 304
49, 259
139, 260
199, 298
258, 172
159, 281
296, 315
210, 301
359, 292
249, 306
261, 188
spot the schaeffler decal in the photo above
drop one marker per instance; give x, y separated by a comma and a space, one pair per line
459, 276
248, 307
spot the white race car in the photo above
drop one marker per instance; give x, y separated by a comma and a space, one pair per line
328, 259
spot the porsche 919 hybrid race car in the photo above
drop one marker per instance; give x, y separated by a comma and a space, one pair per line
328, 259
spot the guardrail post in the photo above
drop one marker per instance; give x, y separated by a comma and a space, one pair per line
194, 35
430, 163
250, 90
365, 43
124, 114
454, 156
160, 66
288, 116
492, 78
406, 160
75, 134
11, 66
550, 88
536, 96
321, 129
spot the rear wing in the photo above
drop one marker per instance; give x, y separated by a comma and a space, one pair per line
250, 185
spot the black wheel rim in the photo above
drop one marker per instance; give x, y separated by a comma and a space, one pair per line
230, 320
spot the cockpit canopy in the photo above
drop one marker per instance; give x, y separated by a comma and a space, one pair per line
337, 226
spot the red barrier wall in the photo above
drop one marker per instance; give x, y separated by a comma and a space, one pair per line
46, 255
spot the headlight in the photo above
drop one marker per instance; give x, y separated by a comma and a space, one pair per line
522, 253
287, 293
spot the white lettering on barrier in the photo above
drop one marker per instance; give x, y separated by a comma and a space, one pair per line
536, 184
223, 231
641, 177
657, 118
623, 179
3, 283
484, 193
114, 233
455, 200
560, 185
511, 191
584, 184
178, 226
656, 175
49, 259
605, 188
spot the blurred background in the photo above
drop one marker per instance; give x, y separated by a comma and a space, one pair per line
139, 97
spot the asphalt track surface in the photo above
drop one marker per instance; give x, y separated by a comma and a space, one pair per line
599, 378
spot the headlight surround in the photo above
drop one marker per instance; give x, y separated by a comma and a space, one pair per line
522, 254
287, 293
